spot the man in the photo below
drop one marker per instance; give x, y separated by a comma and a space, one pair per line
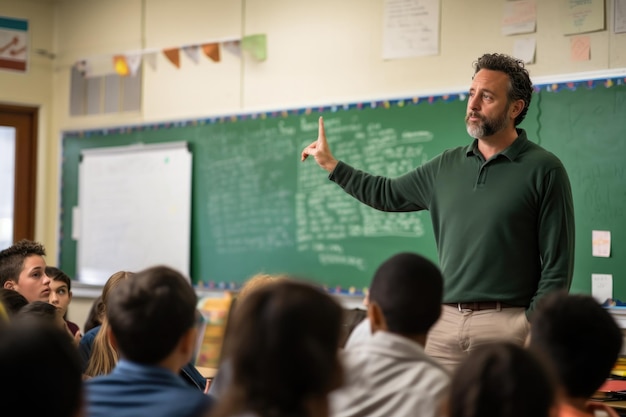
501, 208
22, 268
389, 373
152, 321
581, 341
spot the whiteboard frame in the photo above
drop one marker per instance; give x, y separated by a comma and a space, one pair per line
138, 254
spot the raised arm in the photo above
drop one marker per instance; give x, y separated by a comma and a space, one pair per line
320, 150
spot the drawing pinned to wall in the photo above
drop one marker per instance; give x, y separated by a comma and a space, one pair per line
582, 16
519, 17
13, 44
580, 48
619, 16
524, 49
410, 28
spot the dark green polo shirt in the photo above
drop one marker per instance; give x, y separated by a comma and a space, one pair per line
504, 228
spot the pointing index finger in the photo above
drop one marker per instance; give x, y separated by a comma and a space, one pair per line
321, 134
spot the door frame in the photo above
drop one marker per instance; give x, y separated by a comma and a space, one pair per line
25, 121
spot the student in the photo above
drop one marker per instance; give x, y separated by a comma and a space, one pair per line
153, 325
284, 353
41, 312
502, 194
98, 354
41, 373
224, 374
13, 301
93, 317
389, 373
581, 341
61, 295
502, 379
22, 268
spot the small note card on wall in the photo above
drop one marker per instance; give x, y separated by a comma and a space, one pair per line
601, 243
602, 287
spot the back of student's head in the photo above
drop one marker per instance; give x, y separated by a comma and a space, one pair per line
12, 258
40, 371
408, 289
150, 313
579, 338
13, 301
284, 346
37, 312
501, 380
56, 274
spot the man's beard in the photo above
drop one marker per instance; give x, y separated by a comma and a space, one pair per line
486, 127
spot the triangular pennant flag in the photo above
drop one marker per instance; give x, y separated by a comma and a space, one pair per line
151, 60
192, 52
173, 55
121, 67
256, 45
234, 47
212, 50
133, 61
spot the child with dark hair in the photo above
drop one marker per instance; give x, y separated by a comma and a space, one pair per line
41, 312
581, 341
61, 295
152, 321
389, 373
13, 301
283, 347
22, 268
36, 349
502, 379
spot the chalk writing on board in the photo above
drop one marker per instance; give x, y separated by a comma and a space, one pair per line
248, 207
324, 213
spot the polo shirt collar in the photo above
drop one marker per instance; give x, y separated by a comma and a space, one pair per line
511, 152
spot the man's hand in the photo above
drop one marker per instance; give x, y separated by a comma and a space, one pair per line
320, 150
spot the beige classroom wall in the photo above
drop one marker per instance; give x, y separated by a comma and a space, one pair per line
322, 52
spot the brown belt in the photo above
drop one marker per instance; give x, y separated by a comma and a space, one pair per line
480, 305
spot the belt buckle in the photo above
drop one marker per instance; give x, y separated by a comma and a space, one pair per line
463, 310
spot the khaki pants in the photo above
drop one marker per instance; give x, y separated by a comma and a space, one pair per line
457, 333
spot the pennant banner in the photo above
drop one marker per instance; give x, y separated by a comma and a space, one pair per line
192, 52
256, 45
134, 62
212, 50
173, 55
120, 65
151, 60
234, 47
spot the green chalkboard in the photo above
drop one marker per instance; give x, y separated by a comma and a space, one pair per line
257, 208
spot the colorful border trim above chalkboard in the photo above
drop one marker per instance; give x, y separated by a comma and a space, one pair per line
233, 286
410, 101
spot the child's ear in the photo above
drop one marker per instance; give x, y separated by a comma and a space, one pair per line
376, 317
9, 285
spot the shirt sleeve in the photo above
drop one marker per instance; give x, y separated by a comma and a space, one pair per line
556, 235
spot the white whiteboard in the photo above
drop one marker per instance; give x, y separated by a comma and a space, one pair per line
134, 209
